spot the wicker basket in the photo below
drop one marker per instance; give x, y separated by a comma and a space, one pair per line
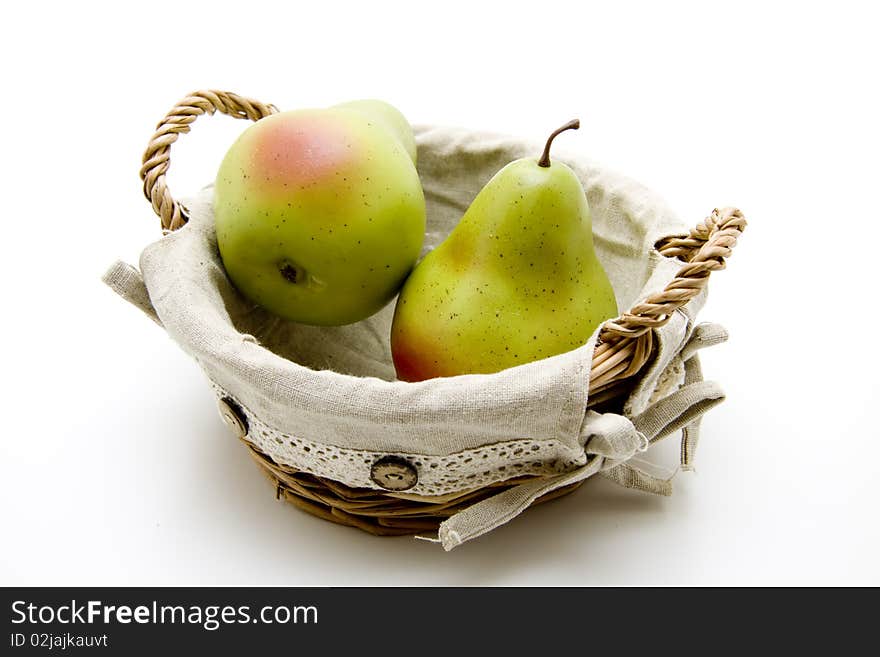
624, 347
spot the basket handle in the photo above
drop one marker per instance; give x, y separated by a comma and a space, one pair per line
625, 343
157, 156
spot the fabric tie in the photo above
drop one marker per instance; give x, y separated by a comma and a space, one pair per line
610, 442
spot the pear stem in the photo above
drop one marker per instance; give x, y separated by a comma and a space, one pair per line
574, 124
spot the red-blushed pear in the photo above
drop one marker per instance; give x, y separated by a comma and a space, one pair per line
517, 280
319, 213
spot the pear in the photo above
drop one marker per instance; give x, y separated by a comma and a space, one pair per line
517, 280
319, 213
388, 116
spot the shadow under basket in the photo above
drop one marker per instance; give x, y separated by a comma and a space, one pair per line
644, 380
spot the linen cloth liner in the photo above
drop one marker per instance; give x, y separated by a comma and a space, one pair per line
335, 385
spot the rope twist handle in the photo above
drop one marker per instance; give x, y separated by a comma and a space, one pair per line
625, 343
157, 156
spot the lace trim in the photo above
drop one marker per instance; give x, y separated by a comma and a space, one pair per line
438, 475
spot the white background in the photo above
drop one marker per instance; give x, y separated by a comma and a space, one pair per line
114, 465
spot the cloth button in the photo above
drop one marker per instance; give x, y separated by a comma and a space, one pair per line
394, 473
233, 417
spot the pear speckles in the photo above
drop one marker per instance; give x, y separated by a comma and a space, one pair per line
528, 288
328, 191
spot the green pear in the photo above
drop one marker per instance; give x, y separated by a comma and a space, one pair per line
319, 213
517, 280
390, 117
